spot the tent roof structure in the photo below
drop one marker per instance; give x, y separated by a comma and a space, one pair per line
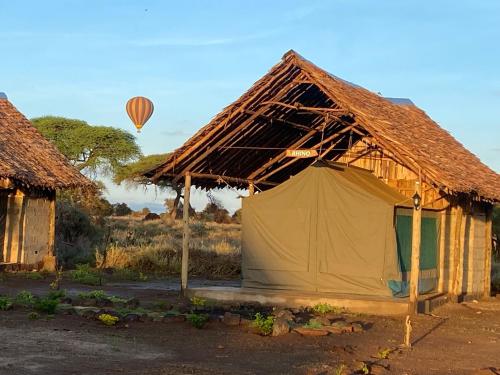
299, 105
27, 158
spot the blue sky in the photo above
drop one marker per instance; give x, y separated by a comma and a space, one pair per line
84, 59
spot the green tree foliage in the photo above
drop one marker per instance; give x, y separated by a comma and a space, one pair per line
133, 175
121, 209
132, 171
91, 149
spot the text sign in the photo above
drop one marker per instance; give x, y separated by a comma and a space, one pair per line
301, 153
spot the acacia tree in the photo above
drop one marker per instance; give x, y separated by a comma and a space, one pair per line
91, 149
133, 175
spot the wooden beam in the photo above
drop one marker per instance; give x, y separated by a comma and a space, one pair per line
229, 135
282, 155
251, 188
185, 233
487, 251
230, 116
415, 253
293, 124
300, 107
236, 180
52, 226
457, 252
290, 162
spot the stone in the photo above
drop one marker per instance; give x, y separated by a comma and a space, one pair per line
284, 313
65, 308
154, 316
323, 320
311, 331
231, 319
281, 326
86, 312
339, 327
357, 327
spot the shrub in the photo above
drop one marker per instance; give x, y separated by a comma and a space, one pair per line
108, 319
197, 320
263, 324
313, 324
325, 308
121, 209
94, 294
46, 305
25, 298
56, 294
77, 236
84, 274
5, 303
198, 302
33, 315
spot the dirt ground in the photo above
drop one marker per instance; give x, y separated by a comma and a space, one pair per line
457, 339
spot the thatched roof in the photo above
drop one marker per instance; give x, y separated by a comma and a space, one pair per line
27, 158
246, 139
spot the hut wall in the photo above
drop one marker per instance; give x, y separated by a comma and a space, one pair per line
474, 254
26, 229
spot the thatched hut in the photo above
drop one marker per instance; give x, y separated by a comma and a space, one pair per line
31, 170
299, 110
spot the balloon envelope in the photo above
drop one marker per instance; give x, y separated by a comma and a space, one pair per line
139, 110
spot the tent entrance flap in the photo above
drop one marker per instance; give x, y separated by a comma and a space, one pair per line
428, 251
325, 229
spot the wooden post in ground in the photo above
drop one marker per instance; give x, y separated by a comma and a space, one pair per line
457, 252
251, 188
487, 252
415, 251
49, 260
185, 233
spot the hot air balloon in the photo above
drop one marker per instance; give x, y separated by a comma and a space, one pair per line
139, 110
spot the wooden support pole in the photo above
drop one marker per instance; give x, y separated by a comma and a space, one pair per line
52, 226
251, 188
185, 233
487, 252
457, 255
415, 252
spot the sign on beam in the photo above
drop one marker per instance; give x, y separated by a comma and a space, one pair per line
301, 153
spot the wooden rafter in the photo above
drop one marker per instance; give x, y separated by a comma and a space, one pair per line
229, 135
224, 122
282, 155
291, 123
300, 107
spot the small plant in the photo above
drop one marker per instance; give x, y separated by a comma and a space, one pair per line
340, 369
364, 369
5, 303
33, 316
384, 353
94, 294
198, 302
46, 305
84, 274
325, 308
313, 324
56, 294
263, 324
108, 319
25, 298
197, 320
115, 299
56, 284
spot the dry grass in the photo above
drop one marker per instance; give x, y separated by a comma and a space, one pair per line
155, 247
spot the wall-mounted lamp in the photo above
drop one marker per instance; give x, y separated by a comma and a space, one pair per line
417, 201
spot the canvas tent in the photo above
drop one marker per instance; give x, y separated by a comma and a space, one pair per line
321, 231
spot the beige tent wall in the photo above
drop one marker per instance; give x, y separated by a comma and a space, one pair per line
323, 230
